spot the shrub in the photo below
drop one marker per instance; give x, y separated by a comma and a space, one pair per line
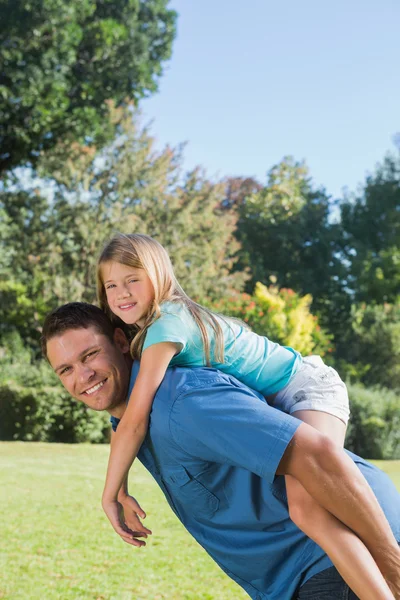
372, 351
282, 315
48, 414
374, 427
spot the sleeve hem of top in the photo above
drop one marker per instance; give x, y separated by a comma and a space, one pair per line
169, 338
285, 434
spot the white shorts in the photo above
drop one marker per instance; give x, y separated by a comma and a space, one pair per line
315, 386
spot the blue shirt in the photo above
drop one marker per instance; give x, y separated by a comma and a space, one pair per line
256, 361
214, 446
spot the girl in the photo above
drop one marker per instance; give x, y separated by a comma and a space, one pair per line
136, 283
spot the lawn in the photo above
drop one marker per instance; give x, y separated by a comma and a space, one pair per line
56, 544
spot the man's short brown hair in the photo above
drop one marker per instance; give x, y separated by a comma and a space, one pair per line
76, 315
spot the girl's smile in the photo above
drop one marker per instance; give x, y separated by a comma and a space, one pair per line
127, 306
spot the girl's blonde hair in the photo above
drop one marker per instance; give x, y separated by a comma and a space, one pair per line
143, 252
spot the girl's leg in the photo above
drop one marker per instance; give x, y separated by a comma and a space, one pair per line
348, 553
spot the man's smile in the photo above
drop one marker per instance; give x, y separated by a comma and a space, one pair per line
95, 388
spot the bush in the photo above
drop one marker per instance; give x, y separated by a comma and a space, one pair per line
282, 315
374, 427
48, 414
372, 351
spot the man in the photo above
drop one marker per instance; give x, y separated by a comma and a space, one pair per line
218, 452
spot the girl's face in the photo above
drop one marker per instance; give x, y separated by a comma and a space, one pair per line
129, 291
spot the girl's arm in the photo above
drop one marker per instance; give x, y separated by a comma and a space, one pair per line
131, 512
123, 491
133, 426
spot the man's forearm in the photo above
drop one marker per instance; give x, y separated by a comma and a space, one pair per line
333, 480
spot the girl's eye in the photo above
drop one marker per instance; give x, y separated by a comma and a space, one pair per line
132, 280
109, 286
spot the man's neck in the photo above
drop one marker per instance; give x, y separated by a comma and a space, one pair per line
119, 410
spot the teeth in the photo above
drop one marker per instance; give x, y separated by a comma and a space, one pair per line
95, 388
126, 305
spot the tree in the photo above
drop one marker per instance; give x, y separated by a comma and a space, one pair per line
51, 246
238, 189
371, 235
62, 60
24, 242
285, 232
132, 187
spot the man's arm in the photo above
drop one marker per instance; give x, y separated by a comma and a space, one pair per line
226, 422
334, 481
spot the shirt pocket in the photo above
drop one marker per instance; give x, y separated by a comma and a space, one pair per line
278, 489
196, 499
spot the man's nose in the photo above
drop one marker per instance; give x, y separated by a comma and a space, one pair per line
85, 373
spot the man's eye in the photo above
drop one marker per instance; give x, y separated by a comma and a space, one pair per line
65, 370
91, 353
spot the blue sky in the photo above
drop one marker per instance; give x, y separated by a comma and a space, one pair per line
250, 82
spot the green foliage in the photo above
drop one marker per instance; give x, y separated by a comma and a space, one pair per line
374, 427
132, 187
285, 231
69, 73
371, 241
62, 60
281, 315
16, 306
47, 414
24, 238
371, 353
50, 246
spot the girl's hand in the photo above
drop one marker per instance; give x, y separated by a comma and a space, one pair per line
133, 512
115, 512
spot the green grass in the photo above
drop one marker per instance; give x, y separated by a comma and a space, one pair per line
56, 544
392, 468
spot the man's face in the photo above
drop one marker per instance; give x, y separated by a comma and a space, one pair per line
92, 368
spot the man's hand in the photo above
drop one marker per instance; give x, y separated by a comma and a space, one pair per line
124, 517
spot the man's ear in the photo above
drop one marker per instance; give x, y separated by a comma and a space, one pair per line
121, 341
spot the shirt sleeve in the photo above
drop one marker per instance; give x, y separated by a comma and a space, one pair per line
229, 424
169, 327
114, 423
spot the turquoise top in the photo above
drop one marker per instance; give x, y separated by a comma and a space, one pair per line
253, 359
